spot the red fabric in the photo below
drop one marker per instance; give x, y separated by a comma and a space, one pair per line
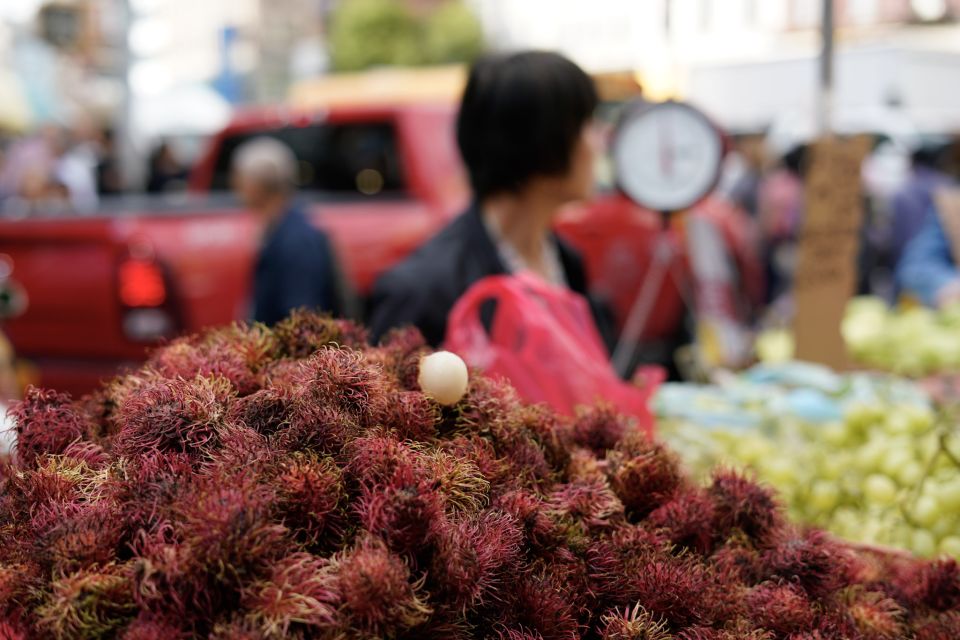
544, 341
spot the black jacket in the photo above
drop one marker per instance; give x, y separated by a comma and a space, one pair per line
422, 289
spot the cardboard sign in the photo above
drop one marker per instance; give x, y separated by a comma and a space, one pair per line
826, 274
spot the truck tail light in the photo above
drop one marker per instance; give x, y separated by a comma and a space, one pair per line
147, 310
141, 284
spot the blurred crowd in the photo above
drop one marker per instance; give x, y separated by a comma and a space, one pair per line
899, 194
59, 170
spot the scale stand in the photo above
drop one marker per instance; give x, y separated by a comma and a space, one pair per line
663, 267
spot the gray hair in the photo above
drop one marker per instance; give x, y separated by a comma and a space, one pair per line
268, 161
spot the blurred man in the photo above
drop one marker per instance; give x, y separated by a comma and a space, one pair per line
914, 200
928, 269
295, 267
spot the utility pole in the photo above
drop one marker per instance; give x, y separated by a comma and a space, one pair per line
825, 111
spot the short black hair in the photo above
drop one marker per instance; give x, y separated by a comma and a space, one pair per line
520, 117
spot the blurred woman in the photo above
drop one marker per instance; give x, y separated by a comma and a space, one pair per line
525, 132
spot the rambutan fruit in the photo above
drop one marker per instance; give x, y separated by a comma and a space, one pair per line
686, 520
47, 423
240, 629
377, 595
584, 466
740, 504
592, 504
381, 459
316, 427
399, 354
480, 452
462, 487
85, 539
226, 524
677, 589
173, 415
265, 411
935, 584
940, 626
632, 624
20, 585
599, 428
87, 452
473, 558
10, 629
299, 595
146, 627
530, 511
403, 514
146, 487
304, 332
813, 562
236, 353
411, 415
738, 561
643, 474
875, 616
782, 608
88, 604
540, 603
312, 500
518, 634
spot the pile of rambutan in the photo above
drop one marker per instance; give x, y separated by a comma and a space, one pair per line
293, 482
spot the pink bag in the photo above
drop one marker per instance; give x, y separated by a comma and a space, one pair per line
545, 342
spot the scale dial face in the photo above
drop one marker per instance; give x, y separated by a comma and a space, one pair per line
667, 156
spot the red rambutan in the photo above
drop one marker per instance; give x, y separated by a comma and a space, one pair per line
940, 626
591, 503
935, 584
632, 624
300, 594
312, 500
264, 411
813, 562
402, 514
377, 595
740, 504
47, 423
599, 428
686, 520
643, 474
304, 332
473, 558
150, 628
462, 487
542, 604
88, 604
782, 608
175, 415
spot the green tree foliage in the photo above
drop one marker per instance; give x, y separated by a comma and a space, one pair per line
371, 33
453, 34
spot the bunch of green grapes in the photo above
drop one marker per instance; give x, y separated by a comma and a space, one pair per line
913, 342
885, 475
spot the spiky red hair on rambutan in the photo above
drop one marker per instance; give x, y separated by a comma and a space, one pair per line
643, 474
378, 594
46, 423
740, 504
173, 415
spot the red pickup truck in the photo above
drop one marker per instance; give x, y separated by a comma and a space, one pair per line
90, 294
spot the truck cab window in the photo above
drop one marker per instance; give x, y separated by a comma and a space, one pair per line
338, 160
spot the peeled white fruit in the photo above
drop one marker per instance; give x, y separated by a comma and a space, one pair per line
443, 377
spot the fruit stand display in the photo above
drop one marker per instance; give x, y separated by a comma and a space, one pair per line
865, 456
294, 483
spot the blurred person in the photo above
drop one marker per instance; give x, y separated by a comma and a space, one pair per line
525, 134
779, 213
109, 176
76, 170
928, 268
295, 266
913, 202
164, 171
